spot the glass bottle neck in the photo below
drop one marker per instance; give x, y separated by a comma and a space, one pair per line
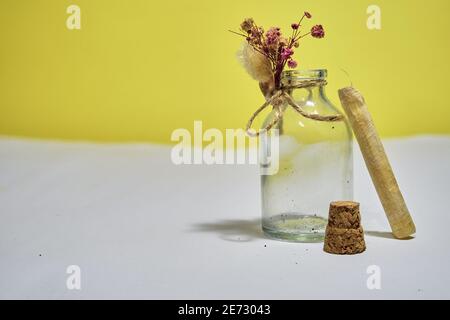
310, 93
306, 86
304, 79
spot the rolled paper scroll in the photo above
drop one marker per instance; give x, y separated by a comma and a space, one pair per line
377, 163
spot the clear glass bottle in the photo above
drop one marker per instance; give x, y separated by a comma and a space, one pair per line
315, 164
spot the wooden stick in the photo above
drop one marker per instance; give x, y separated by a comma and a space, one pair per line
377, 163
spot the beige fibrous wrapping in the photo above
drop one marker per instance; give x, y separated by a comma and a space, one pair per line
377, 163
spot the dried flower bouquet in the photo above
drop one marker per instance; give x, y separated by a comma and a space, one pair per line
266, 54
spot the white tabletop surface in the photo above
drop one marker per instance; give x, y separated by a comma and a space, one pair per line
140, 227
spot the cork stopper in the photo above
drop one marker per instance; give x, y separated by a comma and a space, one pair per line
344, 233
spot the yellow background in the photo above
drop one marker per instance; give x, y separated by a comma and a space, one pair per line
139, 69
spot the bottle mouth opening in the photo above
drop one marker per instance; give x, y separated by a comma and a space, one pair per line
302, 78
315, 74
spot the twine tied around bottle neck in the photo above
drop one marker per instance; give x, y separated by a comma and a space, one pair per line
280, 98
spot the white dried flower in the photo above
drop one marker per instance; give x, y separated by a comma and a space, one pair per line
257, 65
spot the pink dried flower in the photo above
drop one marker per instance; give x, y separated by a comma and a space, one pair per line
292, 64
308, 15
317, 31
286, 53
295, 26
273, 35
